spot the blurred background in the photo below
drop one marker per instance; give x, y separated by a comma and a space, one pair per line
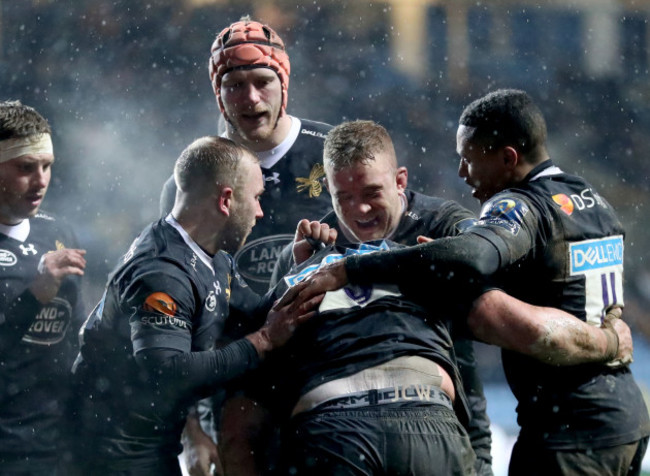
125, 86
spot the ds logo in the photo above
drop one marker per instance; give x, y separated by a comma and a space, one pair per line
586, 199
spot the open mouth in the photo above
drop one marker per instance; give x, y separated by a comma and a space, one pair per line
253, 117
367, 224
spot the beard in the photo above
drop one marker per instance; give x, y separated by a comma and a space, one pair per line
235, 235
257, 134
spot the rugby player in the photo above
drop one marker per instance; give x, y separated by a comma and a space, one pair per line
148, 349
548, 238
40, 303
363, 372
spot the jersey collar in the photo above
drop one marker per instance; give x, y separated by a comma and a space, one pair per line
18, 232
203, 256
269, 158
544, 169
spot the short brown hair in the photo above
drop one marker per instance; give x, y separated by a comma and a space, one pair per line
18, 120
208, 160
355, 142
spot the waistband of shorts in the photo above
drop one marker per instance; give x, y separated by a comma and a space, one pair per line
400, 394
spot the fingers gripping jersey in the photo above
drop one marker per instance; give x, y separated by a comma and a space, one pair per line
358, 328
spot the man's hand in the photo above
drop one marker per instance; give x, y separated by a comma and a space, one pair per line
309, 235
327, 278
53, 268
281, 324
614, 323
200, 452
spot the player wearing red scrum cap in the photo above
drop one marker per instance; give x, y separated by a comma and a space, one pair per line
249, 71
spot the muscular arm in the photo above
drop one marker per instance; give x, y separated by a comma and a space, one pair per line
547, 334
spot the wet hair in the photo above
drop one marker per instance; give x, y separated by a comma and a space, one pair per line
18, 120
507, 117
208, 161
355, 142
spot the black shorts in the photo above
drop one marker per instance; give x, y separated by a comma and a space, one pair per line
622, 460
416, 439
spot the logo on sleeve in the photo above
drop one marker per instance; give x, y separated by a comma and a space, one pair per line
160, 302
313, 182
506, 213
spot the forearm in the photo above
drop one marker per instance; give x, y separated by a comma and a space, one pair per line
445, 260
189, 372
549, 335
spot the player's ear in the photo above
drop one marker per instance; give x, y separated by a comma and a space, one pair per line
401, 178
511, 157
225, 200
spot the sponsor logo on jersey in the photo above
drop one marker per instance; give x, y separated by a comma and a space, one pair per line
160, 302
312, 183
596, 254
565, 203
7, 258
585, 200
27, 250
275, 178
256, 260
161, 320
50, 324
211, 300
313, 133
506, 213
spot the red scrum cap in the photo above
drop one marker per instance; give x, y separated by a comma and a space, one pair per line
248, 44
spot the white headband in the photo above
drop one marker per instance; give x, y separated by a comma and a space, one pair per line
30, 145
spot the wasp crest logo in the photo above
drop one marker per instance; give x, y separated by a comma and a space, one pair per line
312, 183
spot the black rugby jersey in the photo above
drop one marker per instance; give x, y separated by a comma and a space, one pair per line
561, 245
293, 190
358, 327
552, 241
166, 296
435, 217
38, 343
